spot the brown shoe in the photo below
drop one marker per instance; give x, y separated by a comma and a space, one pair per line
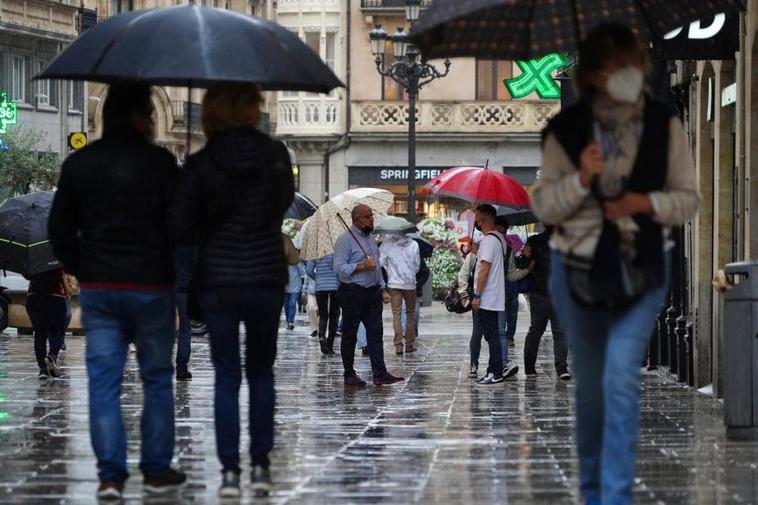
386, 379
410, 348
110, 491
354, 380
399, 351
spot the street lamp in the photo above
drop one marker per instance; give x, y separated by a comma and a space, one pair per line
411, 74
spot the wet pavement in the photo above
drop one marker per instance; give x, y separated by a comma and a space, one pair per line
436, 438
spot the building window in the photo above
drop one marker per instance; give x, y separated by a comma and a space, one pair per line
391, 90
47, 91
19, 78
490, 75
120, 6
75, 96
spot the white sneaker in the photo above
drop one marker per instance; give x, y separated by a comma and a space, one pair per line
489, 379
509, 370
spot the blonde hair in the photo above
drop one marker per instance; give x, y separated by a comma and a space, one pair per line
229, 105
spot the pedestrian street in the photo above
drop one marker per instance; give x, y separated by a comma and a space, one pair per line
435, 438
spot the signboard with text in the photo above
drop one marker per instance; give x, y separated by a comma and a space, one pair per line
370, 176
716, 38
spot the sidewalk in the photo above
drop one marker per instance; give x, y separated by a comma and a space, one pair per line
436, 438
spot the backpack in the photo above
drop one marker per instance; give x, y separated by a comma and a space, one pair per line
453, 302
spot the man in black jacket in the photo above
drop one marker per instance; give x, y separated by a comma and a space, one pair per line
107, 226
537, 249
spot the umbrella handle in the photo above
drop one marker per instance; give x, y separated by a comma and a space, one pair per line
352, 235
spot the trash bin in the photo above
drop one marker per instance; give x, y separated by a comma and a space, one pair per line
741, 351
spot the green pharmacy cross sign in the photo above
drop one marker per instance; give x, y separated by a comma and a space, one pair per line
8, 114
537, 77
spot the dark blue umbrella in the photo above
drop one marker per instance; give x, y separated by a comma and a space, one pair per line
192, 46
301, 208
24, 247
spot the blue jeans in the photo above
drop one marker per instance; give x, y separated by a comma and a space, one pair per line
113, 319
184, 335
290, 306
362, 341
607, 348
418, 313
259, 308
488, 321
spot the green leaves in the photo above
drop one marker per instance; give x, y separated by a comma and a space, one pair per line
23, 168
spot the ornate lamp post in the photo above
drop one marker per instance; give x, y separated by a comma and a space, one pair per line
412, 74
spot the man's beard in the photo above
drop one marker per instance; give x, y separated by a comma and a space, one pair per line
368, 228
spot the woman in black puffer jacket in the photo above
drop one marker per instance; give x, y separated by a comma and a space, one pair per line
230, 201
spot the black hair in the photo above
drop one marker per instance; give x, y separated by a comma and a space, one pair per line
124, 100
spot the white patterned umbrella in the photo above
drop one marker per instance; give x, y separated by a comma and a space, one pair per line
324, 227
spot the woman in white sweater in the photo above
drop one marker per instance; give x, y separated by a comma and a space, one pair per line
616, 175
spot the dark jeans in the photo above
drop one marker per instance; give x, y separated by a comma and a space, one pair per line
48, 316
541, 311
475, 344
488, 322
328, 314
361, 305
259, 309
184, 335
112, 320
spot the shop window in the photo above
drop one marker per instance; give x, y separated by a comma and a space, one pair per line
490, 75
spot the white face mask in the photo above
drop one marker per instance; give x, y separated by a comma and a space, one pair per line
625, 85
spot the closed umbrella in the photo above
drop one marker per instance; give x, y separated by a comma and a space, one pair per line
24, 246
523, 29
325, 227
301, 208
192, 46
393, 225
480, 185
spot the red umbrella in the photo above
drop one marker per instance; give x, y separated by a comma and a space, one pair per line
480, 185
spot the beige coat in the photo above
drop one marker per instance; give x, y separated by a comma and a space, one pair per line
559, 199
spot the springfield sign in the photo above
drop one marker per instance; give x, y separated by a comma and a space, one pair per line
394, 174
8, 114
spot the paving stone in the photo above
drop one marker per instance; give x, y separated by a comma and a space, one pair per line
436, 438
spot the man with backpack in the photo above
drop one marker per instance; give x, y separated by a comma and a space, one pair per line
516, 281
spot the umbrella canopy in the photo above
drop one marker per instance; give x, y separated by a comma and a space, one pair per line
301, 208
480, 185
24, 247
324, 227
193, 46
517, 217
523, 29
394, 225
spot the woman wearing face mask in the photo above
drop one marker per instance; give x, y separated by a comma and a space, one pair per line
616, 175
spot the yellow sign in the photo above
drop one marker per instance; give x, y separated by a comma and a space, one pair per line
77, 140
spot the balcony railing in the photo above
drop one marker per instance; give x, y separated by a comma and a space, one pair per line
308, 115
389, 4
455, 117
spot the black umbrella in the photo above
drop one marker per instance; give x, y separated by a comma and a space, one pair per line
24, 247
425, 247
192, 46
523, 29
517, 217
302, 208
